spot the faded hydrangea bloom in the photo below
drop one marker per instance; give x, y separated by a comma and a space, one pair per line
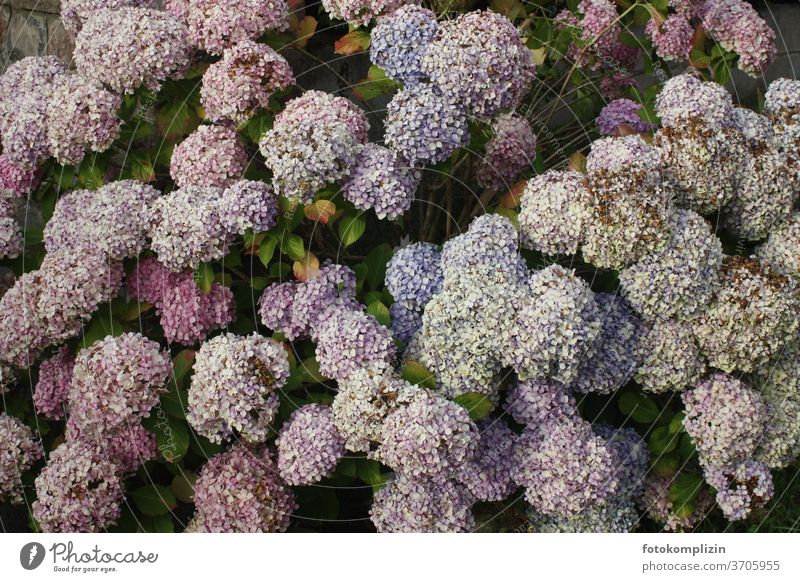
381, 180
754, 313
211, 156
428, 438
680, 280
488, 474
52, 388
658, 506
424, 125
554, 210
132, 47
510, 151
671, 359
618, 113
399, 41
781, 251
725, 418
215, 25
242, 82
737, 27
686, 97
672, 38
75, 12
741, 487
413, 273
361, 12
535, 402
19, 450
234, 390
116, 382
414, 505
479, 60
78, 491
309, 445
241, 491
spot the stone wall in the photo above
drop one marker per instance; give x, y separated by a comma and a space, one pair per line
32, 27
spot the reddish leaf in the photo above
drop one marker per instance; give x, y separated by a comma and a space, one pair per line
352, 43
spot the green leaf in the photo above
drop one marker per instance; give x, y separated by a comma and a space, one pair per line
676, 424
258, 125
686, 448
203, 447
141, 168
685, 489
204, 277
666, 465
91, 174
266, 250
417, 374
351, 228
176, 119
662, 441
369, 471
477, 404
698, 57
183, 486
639, 407
309, 370
153, 500
172, 438
157, 524
293, 246
380, 312
376, 262
100, 327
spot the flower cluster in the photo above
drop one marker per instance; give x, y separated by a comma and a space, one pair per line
620, 115
672, 38
52, 387
187, 315
215, 25
132, 47
399, 41
242, 82
657, 504
115, 383
313, 141
75, 12
79, 490
737, 27
781, 251
381, 180
671, 359
11, 236
479, 60
509, 152
19, 450
112, 219
309, 445
752, 316
425, 126
241, 491
235, 386
212, 156
361, 12
741, 487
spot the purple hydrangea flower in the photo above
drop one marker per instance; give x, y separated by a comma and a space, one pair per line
52, 388
509, 152
621, 112
19, 450
215, 25
671, 359
211, 156
399, 40
741, 487
488, 474
309, 445
671, 38
414, 274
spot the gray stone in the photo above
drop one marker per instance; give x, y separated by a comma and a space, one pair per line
26, 36
48, 6
59, 41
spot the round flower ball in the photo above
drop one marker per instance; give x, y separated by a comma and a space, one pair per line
555, 207
240, 491
381, 180
429, 438
75, 12
52, 387
671, 359
535, 402
781, 251
81, 114
672, 38
331, 290
488, 474
14, 178
703, 162
659, 507
309, 445
564, 467
399, 41
361, 12
480, 60
737, 27
132, 47
621, 113
235, 386
275, 308
211, 156
741, 487
686, 96
365, 398
242, 82
78, 491
725, 417
116, 382
753, 315
680, 280
424, 125
19, 450
414, 273
215, 25
413, 505
510, 151
348, 340
615, 354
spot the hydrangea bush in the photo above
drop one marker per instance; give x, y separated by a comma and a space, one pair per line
520, 267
